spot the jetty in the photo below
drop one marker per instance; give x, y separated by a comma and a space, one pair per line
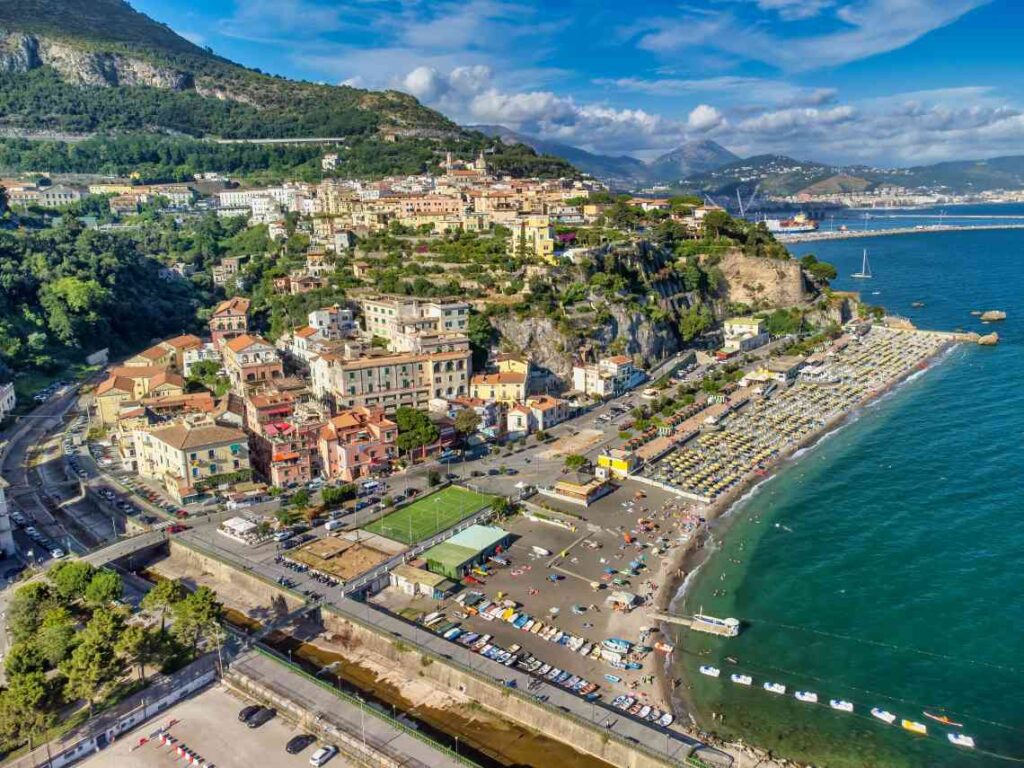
700, 623
808, 237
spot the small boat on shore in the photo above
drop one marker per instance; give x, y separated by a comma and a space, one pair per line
707, 669
742, 679
665, 720
914, 727
886, 717
945, 720
613, 678
960, 740
775, 688
839, 704
809, 696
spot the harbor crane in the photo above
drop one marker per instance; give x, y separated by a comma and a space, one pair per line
750, 200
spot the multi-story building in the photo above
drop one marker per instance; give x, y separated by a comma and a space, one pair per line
251, 363
285, 450
333, 322
199, 354
506, 388
192, 456
389, 381
532, 236
227, 270
743, 334
8, 399
607, 377
548, 411
356, 443
401, 320
130, 385
229, 319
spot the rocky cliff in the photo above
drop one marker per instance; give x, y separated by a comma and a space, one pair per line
764, 283
21, 53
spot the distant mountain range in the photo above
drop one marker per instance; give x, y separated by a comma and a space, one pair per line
689, 159
782, 175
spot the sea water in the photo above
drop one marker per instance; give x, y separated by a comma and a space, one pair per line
885, 566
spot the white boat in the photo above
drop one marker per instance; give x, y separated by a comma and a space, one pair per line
865, 268
842, 706
883, 715
741, 679
644, 712
775, 688
809, 696
540, 551
707, 669
665, 720
960, 740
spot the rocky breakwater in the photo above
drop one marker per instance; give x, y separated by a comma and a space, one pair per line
992, 316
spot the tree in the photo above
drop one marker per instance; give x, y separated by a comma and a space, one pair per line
467, 421
301, 499
56, 636
71, 578
195, 617
89, 669
334, 497
24, 613
433, 478
287, 516
162, 598
23, 712
415, 429
104, 588
501, 506
575, 461
23, 658
136, 646
696, 321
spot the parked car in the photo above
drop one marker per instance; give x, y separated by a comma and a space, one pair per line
246, 712
259, 717
322, 755
298, 743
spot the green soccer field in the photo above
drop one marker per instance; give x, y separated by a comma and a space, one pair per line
432, 514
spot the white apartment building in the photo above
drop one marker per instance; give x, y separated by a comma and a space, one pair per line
607, 377
333, 322
407, 322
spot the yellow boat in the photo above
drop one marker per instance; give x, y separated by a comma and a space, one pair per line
915, 727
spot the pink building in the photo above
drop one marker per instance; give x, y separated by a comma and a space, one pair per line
357, 442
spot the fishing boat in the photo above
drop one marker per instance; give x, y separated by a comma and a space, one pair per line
613, 678
665, 720
914, 727
960, 740
865, 268
883, 715
809, 696
775, 688
842, 706
943, 719
707, 669
741, 679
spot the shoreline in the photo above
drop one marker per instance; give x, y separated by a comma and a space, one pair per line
684, 562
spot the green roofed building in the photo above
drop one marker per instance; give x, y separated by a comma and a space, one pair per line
454, 558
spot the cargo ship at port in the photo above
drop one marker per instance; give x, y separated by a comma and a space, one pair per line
799, 224
714, 626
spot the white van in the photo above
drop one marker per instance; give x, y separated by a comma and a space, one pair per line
333, 525
322, 755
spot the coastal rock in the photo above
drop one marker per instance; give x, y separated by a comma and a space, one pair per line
993, 315
989, 340
764, 283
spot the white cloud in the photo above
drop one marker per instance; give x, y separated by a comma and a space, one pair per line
704, 118
859, 29
746, 90
276, 19
792, 10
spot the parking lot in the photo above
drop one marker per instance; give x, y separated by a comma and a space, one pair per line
208, 725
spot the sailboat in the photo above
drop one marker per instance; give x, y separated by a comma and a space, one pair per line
865, 268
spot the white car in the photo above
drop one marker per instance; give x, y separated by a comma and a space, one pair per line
57, 553
322, 755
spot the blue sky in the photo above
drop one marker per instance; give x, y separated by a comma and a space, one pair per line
888, 82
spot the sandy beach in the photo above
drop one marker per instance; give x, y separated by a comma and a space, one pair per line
683, 562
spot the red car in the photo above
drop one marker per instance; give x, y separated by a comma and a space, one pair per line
177, 528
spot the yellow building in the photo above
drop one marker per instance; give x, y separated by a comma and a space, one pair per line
506, 388
616, 463
188, 458
157, 356
533, 236
507, 363
130, 384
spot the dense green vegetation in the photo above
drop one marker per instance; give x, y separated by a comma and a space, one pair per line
75, 646
67, 291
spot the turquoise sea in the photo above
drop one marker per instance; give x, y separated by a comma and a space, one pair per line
885, 565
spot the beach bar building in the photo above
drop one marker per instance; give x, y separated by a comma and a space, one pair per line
457, 556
